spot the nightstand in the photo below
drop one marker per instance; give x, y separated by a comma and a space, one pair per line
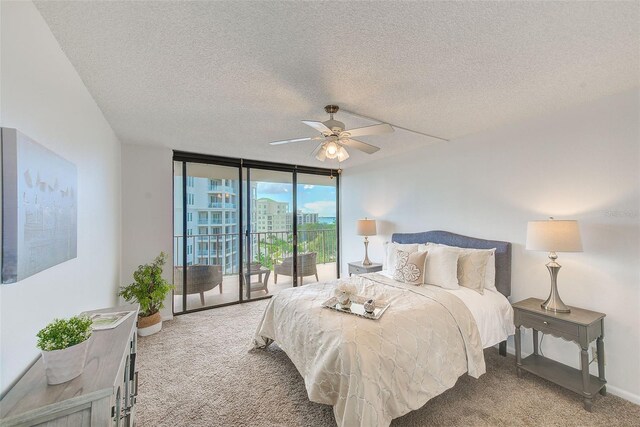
580, 326
357, 268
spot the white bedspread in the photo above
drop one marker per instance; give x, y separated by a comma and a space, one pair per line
373, 371
492, 312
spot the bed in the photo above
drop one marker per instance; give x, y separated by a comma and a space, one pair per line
374, 371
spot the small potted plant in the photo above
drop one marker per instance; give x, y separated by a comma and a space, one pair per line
149, 290
64, 346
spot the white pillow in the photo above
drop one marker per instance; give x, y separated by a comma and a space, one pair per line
390, 253
442, 267
490, 271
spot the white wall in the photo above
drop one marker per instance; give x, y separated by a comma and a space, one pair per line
147, 211
44, 98
581, 164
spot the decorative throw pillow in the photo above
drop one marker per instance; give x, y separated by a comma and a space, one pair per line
390, 253
409, 267
472, 266
442, 267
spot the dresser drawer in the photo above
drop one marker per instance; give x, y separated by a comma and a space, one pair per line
547, 324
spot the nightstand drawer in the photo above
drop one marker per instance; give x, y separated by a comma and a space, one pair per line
357, 270
546, 324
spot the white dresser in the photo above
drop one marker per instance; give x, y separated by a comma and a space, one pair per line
104, 395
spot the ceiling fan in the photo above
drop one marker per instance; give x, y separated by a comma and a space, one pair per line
334, 137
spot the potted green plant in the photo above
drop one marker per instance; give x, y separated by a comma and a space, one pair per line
149, 289
64, 344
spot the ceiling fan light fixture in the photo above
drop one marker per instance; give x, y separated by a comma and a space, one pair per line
322, 154
342, 154
332, 149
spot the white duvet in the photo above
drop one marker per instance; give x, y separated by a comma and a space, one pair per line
492, 312
372, 371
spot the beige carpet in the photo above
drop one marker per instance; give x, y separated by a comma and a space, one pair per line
197, 372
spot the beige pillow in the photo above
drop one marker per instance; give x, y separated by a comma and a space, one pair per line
409, 267
490, 270
472, 268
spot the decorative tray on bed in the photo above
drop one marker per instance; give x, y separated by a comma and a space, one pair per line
357, 307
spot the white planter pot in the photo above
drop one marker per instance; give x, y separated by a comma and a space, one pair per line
149, 325
150, 330
66, 364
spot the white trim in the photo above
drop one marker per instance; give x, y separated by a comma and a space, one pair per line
623, 394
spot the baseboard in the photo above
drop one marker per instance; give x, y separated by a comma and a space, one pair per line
633, 398
623, 394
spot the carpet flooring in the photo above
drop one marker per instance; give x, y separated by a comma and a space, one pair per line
198, 372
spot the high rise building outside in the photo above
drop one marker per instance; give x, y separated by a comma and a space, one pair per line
213, 220
272, 216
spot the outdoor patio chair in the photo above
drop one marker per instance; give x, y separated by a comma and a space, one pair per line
306, 267
200, 279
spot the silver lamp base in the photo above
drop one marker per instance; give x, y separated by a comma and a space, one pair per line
554, 302
366, 252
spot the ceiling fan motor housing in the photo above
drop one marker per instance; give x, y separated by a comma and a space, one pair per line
335, 125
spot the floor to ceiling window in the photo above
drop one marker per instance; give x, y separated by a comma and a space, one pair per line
244, 230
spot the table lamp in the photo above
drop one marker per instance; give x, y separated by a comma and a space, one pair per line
554, 236
366, 227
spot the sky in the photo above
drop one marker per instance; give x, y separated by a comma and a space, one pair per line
318, 199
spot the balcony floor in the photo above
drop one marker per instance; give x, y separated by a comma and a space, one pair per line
229, 293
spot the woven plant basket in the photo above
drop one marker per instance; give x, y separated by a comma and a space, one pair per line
149, 325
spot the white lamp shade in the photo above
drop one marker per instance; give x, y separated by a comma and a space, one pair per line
554, 236
366, 227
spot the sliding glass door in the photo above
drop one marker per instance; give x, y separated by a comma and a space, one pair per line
206, 235
269, 232
246, 230
317, 232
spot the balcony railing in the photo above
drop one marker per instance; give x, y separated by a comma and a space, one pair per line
221, 188
222, 205
267, 247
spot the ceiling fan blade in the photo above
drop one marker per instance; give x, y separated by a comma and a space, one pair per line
287, 141
359, 145
368, 130
319, 126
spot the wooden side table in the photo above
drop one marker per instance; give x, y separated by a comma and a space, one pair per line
580, 326
356, 267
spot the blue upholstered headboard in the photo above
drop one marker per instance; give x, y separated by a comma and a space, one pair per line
503, 251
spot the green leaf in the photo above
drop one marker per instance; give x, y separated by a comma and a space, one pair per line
63, 333
149, 288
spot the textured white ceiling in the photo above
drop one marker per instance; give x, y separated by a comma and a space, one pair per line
228, 77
